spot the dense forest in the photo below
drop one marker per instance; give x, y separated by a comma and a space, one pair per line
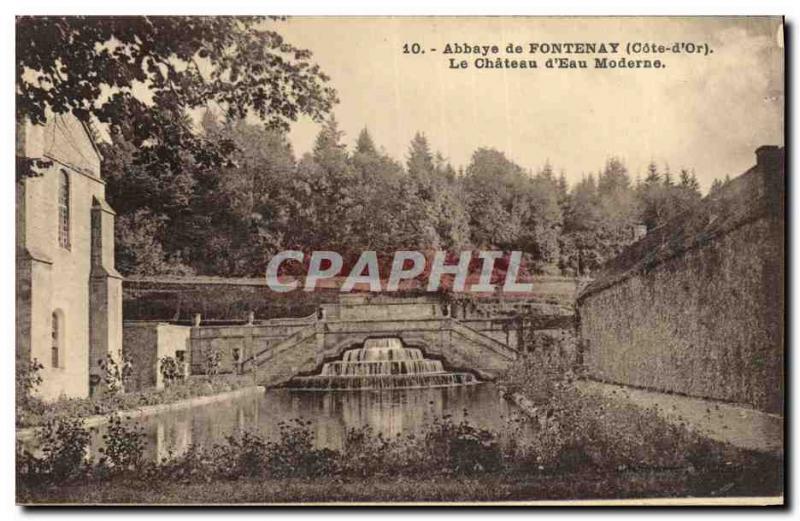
219, 196
229, 220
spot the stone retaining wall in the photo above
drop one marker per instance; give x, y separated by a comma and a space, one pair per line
697, 306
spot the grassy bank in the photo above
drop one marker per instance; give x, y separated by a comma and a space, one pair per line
588, 484
450, 462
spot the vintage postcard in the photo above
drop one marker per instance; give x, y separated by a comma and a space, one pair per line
406, 260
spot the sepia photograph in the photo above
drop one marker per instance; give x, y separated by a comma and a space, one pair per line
400, 260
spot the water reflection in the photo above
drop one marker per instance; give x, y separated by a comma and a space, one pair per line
392, 413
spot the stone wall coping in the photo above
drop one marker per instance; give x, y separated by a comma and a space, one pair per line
262, 281
149, 410
151, 323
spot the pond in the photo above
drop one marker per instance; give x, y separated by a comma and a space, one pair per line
332, 414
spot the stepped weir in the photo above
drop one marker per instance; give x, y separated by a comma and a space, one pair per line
381, 363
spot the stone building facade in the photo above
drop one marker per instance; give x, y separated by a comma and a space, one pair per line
68, 294
697, 306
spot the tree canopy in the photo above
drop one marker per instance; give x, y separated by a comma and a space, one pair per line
142, 75
229, 220
204, 179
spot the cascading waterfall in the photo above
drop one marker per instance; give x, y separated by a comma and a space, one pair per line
382, 363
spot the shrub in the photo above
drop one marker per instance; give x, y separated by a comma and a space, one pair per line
171, 371
196, 464
575, 429
123, 445
291, 455
445, 448
249, 453
212, 360
294, 454
366, 453
117, 371
28, 378
540, 374
462, 448
62, 444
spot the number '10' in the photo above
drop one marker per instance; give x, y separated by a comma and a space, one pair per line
414, 48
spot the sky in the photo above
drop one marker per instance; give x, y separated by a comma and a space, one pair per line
708, 113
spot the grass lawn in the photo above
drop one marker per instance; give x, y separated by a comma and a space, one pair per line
584, 485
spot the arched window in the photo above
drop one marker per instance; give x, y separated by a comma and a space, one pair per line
56, 343
63, 209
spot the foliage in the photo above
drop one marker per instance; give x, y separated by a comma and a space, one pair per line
579, 429
462, 448
230, 219
661, 200
294, 454
495, 189
543, 371
123, 445
139, 249
62, 446
580, 434
171, 372
141, 75
28, 378
219, 196
117, 370
590, 440
601, 211
105, 403
211, 358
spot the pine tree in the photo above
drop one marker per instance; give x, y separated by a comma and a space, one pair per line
667, 177
563, 192
684, 179
652, 176
547, 170
364, 143
694, 184
328, 141
420, 165
331, 188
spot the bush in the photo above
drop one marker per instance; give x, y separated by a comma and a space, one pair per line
124, 445
575, 430
445, 448
540, 374
248, 455
117, 371
462, 448
368, 453
170, 370
27, 380
294, 455
62, 445
211, 358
